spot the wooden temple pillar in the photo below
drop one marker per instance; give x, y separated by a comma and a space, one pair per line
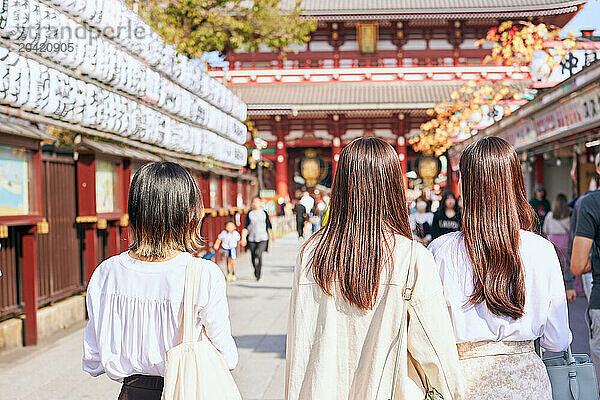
281, 165
538, 170
401, 145
86, 209
30, 284
124, 221
336, 145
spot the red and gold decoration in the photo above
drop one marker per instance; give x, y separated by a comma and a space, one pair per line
515, 44
312, 168
367, 34
467, 107
428, 168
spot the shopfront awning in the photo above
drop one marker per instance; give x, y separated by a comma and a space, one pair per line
116, 150
25, 129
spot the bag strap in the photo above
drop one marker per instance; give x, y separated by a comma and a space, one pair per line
193, 271
406, 296
567, 354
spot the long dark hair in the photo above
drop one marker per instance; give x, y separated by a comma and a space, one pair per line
367, 205
495, 209
165, 210
442, 208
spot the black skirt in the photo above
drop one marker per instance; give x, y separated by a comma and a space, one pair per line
142, 387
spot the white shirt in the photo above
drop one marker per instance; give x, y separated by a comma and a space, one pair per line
554, 226
229, 240
135, 310
308, 202
420, 218
257, 226
545, 314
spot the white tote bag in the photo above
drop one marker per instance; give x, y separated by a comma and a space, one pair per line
195, 370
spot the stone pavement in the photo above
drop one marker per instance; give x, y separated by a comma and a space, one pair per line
52, 370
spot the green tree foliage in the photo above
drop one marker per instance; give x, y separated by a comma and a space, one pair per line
196, 26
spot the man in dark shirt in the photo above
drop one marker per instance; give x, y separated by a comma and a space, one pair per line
585, 257
301, 217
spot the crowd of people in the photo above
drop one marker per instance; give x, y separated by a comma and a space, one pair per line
308, 210
385, 304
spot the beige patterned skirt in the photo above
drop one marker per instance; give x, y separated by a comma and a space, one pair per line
503, 371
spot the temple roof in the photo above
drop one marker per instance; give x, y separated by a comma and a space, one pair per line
345, 96
417, 9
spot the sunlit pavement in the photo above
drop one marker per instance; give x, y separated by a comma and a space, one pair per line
52, 370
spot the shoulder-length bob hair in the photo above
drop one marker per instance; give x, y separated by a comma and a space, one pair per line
165, 210
495, 210
367, 204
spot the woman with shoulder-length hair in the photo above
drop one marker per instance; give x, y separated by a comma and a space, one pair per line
347, 305
503, 283
135, 299
557, 226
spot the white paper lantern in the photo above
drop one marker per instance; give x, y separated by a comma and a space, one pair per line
92, 97
35, 86
18, 80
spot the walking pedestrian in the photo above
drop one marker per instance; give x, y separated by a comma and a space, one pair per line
421, 222
315, 219
586, 278
556, 228
503, 283
307, 201
134, 299
301, 217
228, 240
348, 297
256, 234
540, 205
447, 218
585, 257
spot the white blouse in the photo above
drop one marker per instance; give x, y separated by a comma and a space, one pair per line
135, 310
556, 226
545, 315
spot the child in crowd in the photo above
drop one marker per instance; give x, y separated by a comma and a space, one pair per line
228, 240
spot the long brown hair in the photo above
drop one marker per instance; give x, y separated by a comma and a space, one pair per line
560, 207
495, 209
367, 205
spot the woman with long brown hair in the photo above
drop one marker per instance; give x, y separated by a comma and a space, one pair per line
503, 283
348, 298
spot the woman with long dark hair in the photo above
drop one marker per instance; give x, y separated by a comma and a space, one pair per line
503, 283
447, 218
347, 306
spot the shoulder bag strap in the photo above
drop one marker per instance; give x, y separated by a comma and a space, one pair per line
406, 296
192, 281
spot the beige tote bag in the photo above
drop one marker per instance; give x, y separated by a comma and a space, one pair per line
195, 370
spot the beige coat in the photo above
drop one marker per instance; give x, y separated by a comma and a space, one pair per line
337, 352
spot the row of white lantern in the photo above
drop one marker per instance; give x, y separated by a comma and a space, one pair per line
103, 61
114, 19
31, 86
